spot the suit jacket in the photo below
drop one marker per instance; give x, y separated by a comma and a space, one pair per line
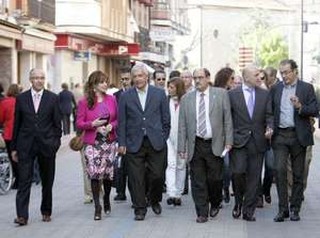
135, 123
43, 126
86, 116
305, 93
118, 94
66, 101
245, 127
220, 120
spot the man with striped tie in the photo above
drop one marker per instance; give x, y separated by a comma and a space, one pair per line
204, 134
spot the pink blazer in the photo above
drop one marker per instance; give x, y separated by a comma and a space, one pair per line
86, 116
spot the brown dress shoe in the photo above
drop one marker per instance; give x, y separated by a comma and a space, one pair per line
21, 221
46, 218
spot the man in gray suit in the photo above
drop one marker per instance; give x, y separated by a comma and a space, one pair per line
143, 129
253, 125
205, 131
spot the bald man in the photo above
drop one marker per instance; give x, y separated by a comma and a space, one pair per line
252, 127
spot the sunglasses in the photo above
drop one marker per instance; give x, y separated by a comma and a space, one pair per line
161, 79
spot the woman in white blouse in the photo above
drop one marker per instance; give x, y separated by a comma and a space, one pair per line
176, 169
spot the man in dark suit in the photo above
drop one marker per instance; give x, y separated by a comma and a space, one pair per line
121, 171
293, 102
144, 126
205, 131
252, 126
67, 105
37, 133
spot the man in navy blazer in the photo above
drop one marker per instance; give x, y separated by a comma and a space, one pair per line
293, 102
144, 126
37, 133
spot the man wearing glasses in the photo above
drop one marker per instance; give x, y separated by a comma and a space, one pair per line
159, 77
293, 102
121, 174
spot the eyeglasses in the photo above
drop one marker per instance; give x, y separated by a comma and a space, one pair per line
38, 77
125, 79
285, 73
199, 77
161, 79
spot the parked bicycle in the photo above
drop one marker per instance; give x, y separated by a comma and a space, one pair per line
6, 173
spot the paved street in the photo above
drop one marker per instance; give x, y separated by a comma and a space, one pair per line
71, 218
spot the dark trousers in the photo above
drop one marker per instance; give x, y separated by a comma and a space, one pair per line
246, 166
265, 185
66, 124
121, 176
206, 177
25, 170
286, 145
145, 167
13, 164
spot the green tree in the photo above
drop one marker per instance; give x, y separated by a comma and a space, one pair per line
272, 50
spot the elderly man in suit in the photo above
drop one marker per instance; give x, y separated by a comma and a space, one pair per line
37, 133
205, 131
144, 126
293, 102
252, 126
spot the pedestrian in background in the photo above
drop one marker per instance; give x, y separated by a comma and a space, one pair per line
97, 117
37, 133
67, 104
144, 126
7, 106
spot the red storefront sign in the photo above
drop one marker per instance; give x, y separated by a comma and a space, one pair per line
65, 41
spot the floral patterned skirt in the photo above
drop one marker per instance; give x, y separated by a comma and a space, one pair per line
99, 159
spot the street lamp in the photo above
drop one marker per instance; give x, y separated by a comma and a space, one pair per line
39, 8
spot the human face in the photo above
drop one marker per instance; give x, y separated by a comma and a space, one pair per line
252, 76
288, 75
201, 81
140, 79
102, 86
160, 80
37, 80
187, 79
230, 82
125, 80
172, 90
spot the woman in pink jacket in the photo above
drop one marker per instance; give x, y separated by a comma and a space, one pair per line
97, 117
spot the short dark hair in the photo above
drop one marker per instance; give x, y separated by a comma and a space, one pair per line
158, 71
222, 77
174, 74
291, 62
205, 70
64, 86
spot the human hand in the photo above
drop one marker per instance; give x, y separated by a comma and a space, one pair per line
99, 122
269, 132
14, 156
122, 150
295, 102
109, 128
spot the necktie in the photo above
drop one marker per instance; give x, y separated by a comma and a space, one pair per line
36, 102
250, 103
202, 117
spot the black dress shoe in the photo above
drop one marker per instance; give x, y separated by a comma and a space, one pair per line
177, 202
259, 202
139, 217
295, 216
46, 218
214, 211
236, 212
201, 219
156, 208
170, 201
267, 198
226, 195
281, 216
248, 217
120, 197
21, 221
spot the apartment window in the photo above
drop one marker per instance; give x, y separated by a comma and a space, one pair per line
4, 6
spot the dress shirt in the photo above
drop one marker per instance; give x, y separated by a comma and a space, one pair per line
142, 94
246, 92
286, 107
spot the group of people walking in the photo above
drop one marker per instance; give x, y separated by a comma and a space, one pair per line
221, 132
